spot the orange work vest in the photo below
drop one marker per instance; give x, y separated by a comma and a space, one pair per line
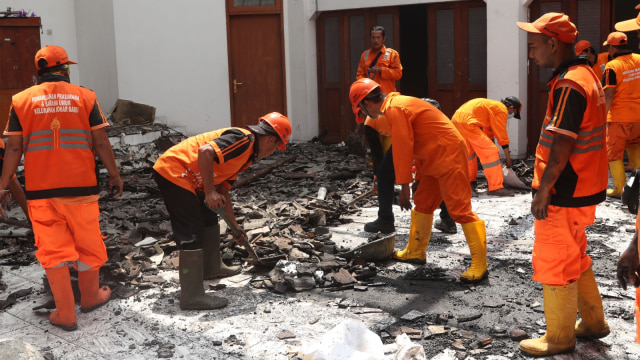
583, 182
179, 164
391, 71
59, 160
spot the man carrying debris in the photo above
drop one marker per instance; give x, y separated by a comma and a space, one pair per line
61, 128
622, 93
425, 135
570, 179
381, 64
194, 177
479, 121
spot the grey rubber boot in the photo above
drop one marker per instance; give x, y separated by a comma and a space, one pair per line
213, 266
192, 296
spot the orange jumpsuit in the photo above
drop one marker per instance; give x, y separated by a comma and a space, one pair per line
601, 61
391, 70
55, 119
623, 119
479, 121
576, 108
424, 134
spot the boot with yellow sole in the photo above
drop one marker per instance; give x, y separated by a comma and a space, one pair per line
419, 236
476, 236
560, 312
592, 324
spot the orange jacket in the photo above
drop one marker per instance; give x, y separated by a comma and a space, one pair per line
235, 151
490, 115
623, 74
420, 132
583, 182
391, 70
55, 119
601, 62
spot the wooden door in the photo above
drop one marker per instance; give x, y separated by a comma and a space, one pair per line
256, 60
342, 37
457, 64
19, 42
594, 21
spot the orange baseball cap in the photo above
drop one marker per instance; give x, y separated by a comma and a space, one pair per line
52, 56
629, 25
616, 38
552, 24
581, 46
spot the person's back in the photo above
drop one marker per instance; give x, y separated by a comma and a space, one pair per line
625, 106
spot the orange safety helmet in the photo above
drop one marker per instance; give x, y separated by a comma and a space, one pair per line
358, 91
281, 125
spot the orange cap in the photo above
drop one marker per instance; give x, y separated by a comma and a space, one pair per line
629, 25
616, 38
581, 46
53, 56
552, 24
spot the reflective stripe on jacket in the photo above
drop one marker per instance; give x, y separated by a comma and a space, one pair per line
179, 164
583, 181
54, 118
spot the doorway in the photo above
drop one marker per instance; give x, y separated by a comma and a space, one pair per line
256, 60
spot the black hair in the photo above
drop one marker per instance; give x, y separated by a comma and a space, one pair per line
433, 102
621, 47
377, 28
376, 95
57, 68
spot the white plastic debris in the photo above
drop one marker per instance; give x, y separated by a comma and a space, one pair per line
349, 340
146, 241
404, 349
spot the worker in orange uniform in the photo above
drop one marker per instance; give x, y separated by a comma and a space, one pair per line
194, 177
596, 61
570, 179
631, 25
383, 65
421, 132
14, 186
622, 93
479, 121
628, 265
61, 128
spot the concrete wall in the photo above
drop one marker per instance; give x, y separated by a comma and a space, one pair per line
58, 25
507, 64
174, 56
301, 67
97, 49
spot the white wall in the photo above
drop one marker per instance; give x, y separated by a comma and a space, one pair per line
507, 64
173, 55
58, 17
301, 68
97, 49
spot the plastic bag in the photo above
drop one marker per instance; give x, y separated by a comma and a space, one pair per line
349, 340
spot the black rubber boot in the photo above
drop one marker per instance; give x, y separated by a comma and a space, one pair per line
213, 266
379, 226
447, 226
192, 296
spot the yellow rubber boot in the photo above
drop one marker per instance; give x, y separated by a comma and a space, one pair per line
476, 236
419, 236
560, 311
633, 155
593, 325
619, 178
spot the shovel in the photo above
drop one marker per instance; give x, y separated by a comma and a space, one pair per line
237, 232
377, 250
